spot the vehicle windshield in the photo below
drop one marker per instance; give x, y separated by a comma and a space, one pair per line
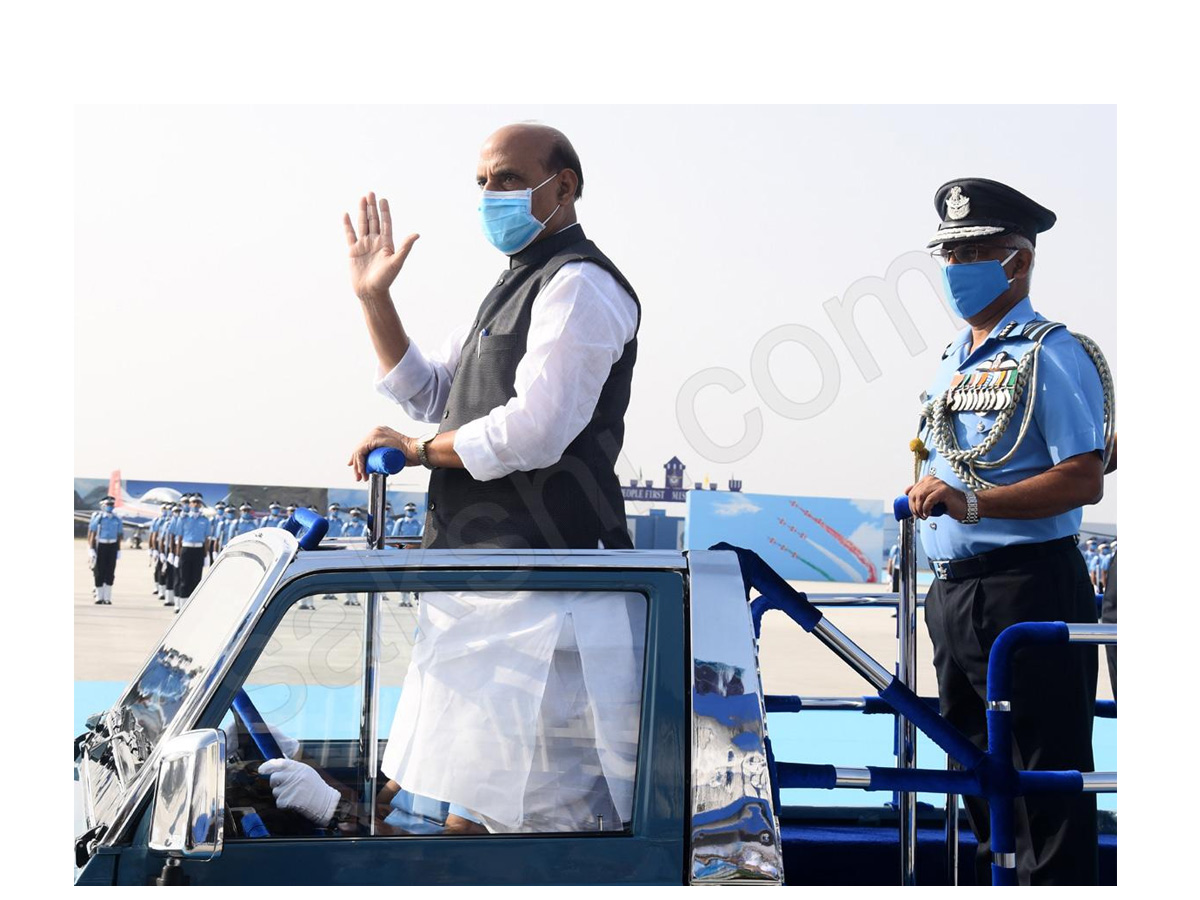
193, 646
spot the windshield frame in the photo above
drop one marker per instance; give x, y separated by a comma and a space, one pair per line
275, 549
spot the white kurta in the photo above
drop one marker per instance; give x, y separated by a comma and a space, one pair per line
579, 325
524, 707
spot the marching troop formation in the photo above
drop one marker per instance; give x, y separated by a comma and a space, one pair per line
183, 539
1098, 557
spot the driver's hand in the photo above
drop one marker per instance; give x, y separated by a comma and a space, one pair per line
288, 744
299, 787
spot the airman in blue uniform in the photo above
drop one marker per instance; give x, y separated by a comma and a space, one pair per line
221, 530
194, 534
355, 528
153, 532
1088, 549
104, 548
242, 524
274, 517
407, 525
1103, 560
215, 523
1015, 431
170, 534
336, 522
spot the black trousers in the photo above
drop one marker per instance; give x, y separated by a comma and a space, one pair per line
160, 570
106, 563
1053, 702
1108, 614
191, 567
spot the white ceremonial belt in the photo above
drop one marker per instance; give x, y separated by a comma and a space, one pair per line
193, 543
102, 541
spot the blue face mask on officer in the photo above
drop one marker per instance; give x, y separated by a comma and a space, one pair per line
507, 218
971, 287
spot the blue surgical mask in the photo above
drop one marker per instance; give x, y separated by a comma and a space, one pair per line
971, 287
507, 218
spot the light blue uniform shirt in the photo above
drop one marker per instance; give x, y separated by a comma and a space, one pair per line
355, 528
106, 525
175, 526
1068, 419
240, 525
160, 524
195, 529
223, 527
272, 521
336, 524
407, 526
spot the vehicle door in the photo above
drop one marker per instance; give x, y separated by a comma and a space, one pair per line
536, 717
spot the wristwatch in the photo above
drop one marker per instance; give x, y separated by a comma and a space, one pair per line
972, 516
422, 456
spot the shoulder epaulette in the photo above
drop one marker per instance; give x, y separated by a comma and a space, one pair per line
1035, 331
1030, 331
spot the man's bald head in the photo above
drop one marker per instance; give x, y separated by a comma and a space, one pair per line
547, 146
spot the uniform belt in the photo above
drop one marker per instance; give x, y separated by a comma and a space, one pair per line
193, 543
998, 559
102, 541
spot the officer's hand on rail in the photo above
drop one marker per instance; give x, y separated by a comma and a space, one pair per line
929, 492
299, 787
374, 259
381, 436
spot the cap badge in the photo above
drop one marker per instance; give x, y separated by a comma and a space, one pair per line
958, 204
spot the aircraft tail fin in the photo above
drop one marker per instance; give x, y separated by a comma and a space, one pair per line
114, 488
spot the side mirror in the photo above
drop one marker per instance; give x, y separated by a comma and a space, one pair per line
188, 819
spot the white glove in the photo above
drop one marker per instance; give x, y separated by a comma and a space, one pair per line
92, 556
154, 555
299, 787
174, 561
118, 554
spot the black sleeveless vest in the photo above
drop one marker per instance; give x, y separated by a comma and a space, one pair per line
574, 503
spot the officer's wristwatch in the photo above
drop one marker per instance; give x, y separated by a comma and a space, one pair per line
972, 516
422, 455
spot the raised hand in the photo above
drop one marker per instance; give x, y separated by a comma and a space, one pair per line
374, 259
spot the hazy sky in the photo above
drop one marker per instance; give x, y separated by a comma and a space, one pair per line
217, 338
